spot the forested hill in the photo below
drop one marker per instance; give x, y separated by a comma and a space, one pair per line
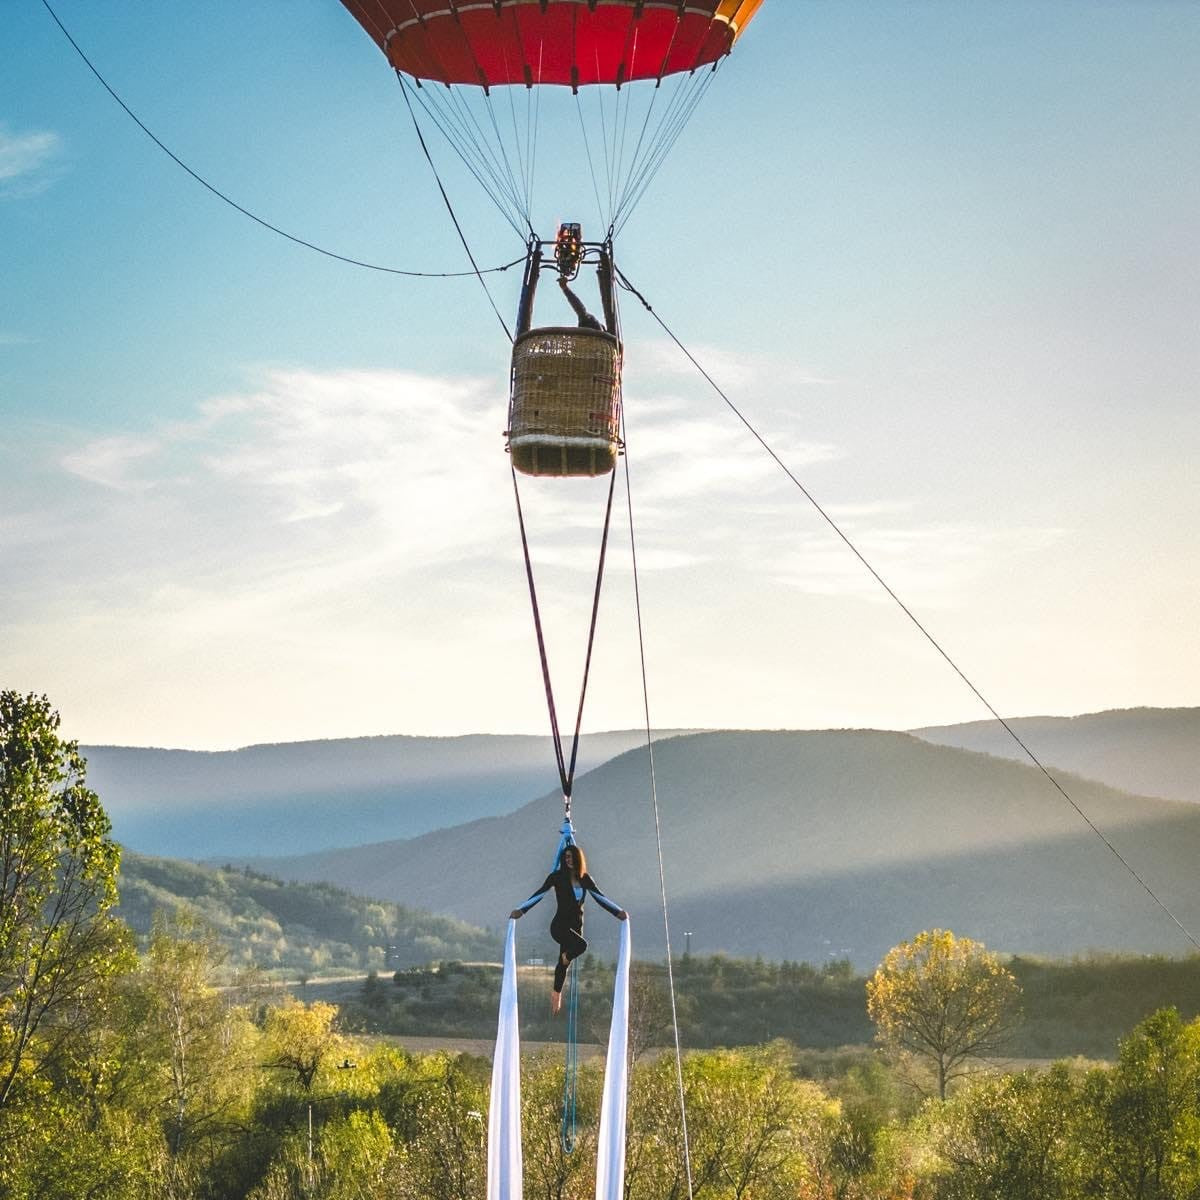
1152, 751
300, 928
808, 846
300, 796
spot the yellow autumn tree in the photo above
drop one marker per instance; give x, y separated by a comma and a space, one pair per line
299, 1038
943, 1001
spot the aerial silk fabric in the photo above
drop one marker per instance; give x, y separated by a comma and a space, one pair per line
610, 1150
505, 1178
573, 42
504, 1113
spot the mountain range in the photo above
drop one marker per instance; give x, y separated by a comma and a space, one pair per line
1151, 751
294, 797
810, 846
800, 845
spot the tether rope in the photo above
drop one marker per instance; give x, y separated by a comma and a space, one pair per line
291, 237
662, 878
569, 1127
908, 612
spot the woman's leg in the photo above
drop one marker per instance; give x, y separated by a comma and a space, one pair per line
571, 945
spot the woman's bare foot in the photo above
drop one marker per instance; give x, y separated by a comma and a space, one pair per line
555, 1003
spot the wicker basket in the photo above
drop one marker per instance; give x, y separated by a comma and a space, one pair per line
565, 409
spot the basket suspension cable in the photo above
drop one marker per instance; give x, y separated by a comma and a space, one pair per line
541, 641
566, 762
587, 663
566, 768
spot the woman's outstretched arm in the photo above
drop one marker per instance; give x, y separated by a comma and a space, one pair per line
526, 905
601, 899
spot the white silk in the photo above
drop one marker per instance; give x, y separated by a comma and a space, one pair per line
504, 1112
610, 1150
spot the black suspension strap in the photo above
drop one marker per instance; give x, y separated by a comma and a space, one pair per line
566, 769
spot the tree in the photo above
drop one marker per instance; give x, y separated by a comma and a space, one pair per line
190, 1048
298, 1038
943, 1001
59, 945
754, 1131
551, 1173
1146, 1110
1012, 1135
650, 1017
441, 1113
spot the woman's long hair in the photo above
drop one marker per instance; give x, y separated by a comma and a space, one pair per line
580, 859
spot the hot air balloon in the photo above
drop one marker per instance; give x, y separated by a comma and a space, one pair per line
480, 68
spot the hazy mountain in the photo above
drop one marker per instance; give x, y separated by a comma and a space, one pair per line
810, 845
301, 796
1151, 751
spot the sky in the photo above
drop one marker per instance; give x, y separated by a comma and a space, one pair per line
944, 257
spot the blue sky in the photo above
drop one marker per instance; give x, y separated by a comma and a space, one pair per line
943, 255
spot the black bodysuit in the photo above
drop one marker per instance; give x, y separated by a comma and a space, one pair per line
567, 926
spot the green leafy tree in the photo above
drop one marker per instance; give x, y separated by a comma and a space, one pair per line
550, 1172
1012, 1135
441, 1113
1146, 1135
59, 945
80, 1152
942, 1001
870, 1155
649, 1010
753, 1130
188, 1052
355, 1159
300, 1038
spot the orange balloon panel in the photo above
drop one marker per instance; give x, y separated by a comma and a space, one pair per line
572, 42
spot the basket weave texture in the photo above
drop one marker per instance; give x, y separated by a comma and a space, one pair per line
565, 409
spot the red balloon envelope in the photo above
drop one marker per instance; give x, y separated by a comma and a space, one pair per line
572, 42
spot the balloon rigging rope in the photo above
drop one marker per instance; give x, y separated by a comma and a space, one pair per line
459, 125
462, 237
291, 237
624, 281
679, 112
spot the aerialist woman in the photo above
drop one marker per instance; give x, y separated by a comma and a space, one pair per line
570, 882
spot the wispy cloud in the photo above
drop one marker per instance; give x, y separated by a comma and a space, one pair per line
368, 472
27, 161
112, 461
319, 527
366, 458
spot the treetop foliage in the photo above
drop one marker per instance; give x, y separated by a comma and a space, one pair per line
942, 1000
59, 945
